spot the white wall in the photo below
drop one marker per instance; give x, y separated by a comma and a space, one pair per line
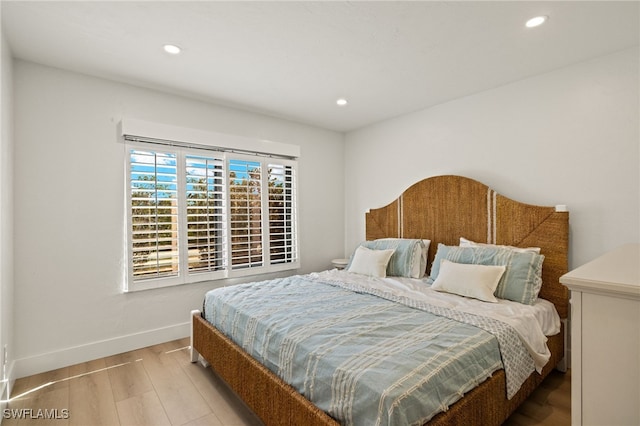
69, 213
6, 219
566, 137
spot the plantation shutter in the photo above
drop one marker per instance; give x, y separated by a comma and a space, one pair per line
206, 209
282, 207
245, 211
196, 212
154, 214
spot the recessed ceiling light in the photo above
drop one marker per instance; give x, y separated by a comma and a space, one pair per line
172, 49
538, 20
342, 102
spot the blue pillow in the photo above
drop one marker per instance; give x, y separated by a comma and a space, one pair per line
407, 260
522, 279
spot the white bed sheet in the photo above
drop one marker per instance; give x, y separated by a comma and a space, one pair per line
533, 323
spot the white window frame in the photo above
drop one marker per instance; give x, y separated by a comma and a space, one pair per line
184, 276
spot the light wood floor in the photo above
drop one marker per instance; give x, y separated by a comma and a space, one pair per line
159, 385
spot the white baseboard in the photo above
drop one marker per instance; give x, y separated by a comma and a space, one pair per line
74, 355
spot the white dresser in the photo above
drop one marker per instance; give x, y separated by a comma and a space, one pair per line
605, 339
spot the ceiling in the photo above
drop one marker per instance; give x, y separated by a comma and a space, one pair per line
294, 59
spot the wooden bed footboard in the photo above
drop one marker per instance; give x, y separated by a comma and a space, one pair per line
271, 399
277, 403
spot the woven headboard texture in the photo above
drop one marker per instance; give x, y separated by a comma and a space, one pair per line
445, 208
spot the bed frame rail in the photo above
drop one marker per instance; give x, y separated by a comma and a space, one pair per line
271, 399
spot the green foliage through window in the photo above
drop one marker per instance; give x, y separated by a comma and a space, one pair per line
235, 213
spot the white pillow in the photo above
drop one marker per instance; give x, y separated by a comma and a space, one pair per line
468, 243
369, 262
469, 280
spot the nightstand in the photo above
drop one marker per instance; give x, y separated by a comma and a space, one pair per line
339, 263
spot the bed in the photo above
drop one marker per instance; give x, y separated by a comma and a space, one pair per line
443, 210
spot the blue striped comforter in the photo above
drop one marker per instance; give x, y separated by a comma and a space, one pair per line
362, 358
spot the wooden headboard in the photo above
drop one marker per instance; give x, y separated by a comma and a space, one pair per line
445, 208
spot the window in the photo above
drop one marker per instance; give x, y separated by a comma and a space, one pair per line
196, 215
154, 214
205, 203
